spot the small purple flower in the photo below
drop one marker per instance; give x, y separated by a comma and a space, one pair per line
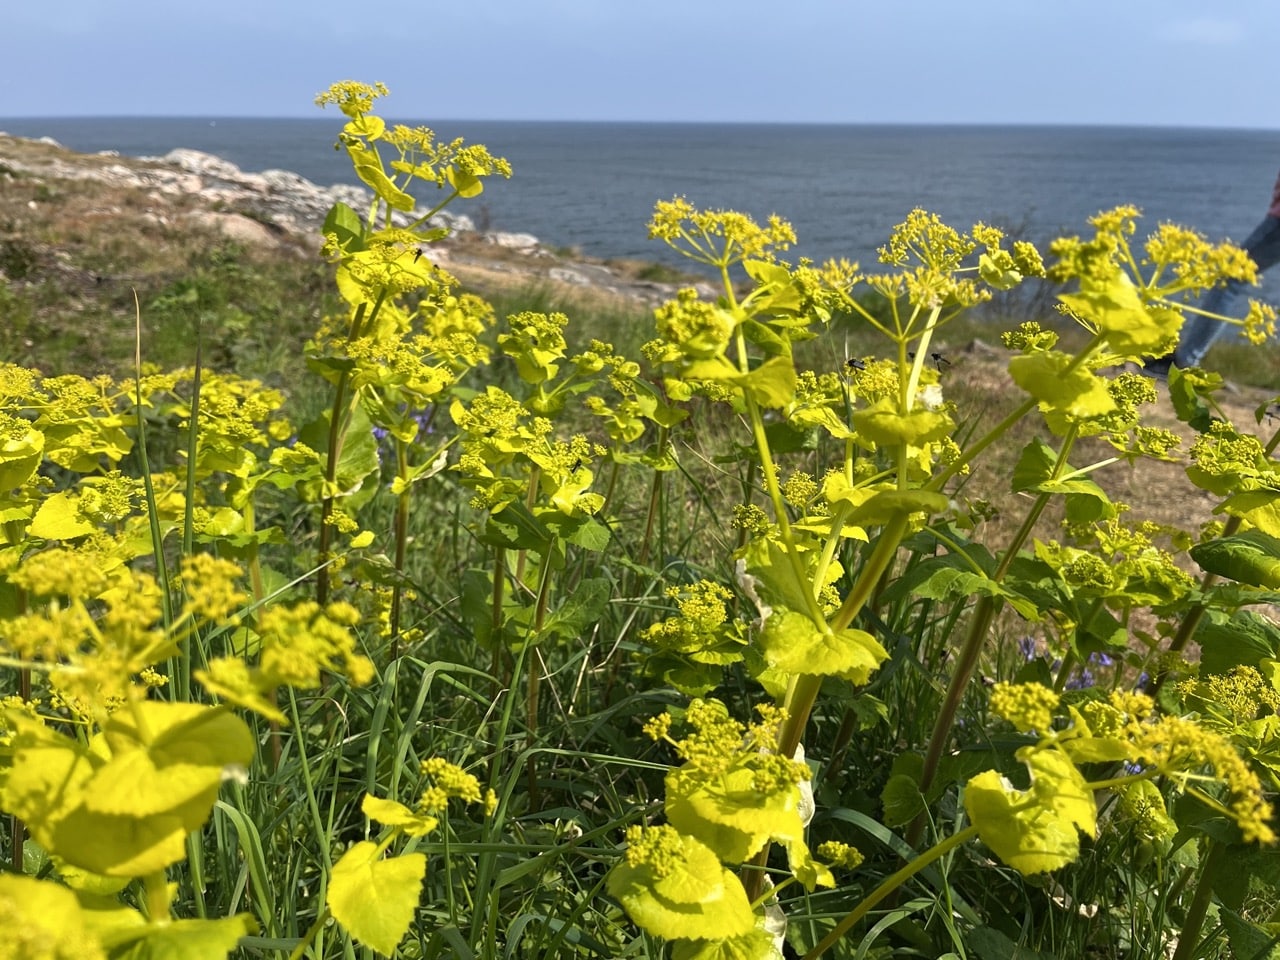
1081, 681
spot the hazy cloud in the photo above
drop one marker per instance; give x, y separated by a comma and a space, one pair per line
1203, 31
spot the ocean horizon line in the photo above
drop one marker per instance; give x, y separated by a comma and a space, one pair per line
773, 124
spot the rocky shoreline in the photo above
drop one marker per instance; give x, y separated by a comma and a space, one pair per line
279, 208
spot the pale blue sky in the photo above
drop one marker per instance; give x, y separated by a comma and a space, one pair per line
1166, 62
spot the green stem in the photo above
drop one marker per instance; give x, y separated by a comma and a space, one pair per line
917, 365
769, 472
153, 517
310, 935
785, 534
614, 469
313, 805
156, 896
972, 451
1190, 621
17, 829
257, 587
530, 498
748, 490
843, 509
486, 863
362, 319
655, 500
890, 884
966, 663
803, 691
971, 651
534, 679
181, 670
1064, 670
1198, 909
495, 613
885, 550
402, 539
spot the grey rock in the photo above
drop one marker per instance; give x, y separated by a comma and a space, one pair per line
569, 275
235, 227
519, 242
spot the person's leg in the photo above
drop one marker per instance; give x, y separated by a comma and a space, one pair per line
1199, 333
1264, 244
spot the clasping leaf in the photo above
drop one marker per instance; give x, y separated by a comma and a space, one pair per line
1113, 305
883, 425
693, 897
1051, 379
1035, 830
792, 643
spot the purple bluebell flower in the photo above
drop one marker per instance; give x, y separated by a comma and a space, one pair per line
1082, 680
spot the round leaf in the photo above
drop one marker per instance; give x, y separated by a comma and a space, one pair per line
375, 899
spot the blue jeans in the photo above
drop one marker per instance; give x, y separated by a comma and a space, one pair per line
1199, 333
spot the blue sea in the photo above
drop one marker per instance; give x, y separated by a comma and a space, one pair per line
593, 185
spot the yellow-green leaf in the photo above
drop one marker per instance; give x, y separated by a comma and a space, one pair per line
792, 643
189, 939
374, 899
998, 275
729, 814
234, 681
129, 814
87, 882
883, 425
467, 184
179, 734
43, 919
887, 505
715, 368
394, 814
367, 125
1113, 305
1036, 830
753, 945
108, 920
19, 458
368, 167
46, 780
772, 384
1260, 507
808, 871
59, 518
1050, 378
698, 898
